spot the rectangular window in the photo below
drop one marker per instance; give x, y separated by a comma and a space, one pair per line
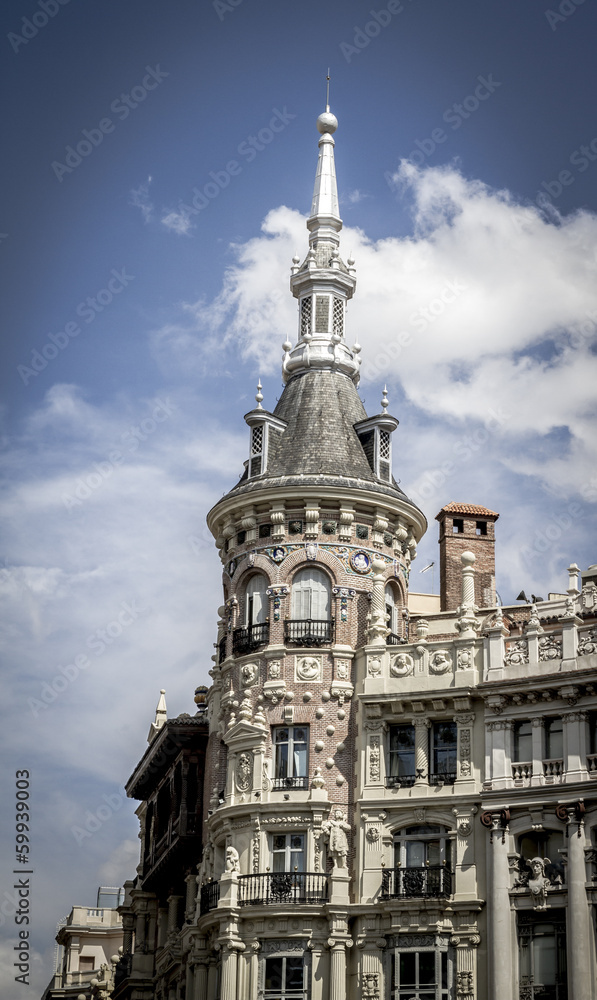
291, 753
338, 316
444, 737
305, 316
523, 742
288, 852
542, 955
457, 526
420, 975
554, 739
401, 770
284, 978
86, 963
481, 528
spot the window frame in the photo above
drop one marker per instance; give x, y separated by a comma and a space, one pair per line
291, 779
437, 945
288, 851
434, 775
297, 599
393, 775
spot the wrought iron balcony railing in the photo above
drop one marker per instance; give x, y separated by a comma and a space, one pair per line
402, 883
400, 780
394, 640
309, 631
537, 991
249, 638
442, 777
209, 897
282, 887
296, 781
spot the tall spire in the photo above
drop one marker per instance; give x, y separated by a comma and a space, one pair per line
323, 283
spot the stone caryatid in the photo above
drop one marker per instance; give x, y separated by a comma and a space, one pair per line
336, 831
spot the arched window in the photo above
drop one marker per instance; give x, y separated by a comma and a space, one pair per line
311, 595
422, 864
256, 600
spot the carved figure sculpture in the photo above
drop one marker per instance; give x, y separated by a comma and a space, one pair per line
538, 883
249, 673
232, 861
335, 830
308, 668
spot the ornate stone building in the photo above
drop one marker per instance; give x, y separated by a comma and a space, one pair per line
394, 807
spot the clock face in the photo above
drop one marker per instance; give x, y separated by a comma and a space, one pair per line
360, 562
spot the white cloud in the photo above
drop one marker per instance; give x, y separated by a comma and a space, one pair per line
178, 222
120, 865
140, 199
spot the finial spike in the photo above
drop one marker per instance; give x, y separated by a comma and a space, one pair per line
384, 399
259, 395
327, 92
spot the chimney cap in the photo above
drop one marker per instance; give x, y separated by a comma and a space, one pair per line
466, 508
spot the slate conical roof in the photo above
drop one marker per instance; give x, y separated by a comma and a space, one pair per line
312, 440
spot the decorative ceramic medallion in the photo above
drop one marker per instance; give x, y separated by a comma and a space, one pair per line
278, 554
360, 562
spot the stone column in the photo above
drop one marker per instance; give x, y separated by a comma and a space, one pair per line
337, 970
173, 906
578, 926
501, 754
228, 989
538, 743
499, 920
212, 979
253, 963
378, 629
575, 746
421, 749
200, 982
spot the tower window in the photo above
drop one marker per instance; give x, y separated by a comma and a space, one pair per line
384, 455
305, 316
458, 526
481, 528
339, 316
256, 463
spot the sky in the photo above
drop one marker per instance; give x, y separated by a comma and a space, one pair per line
159, 170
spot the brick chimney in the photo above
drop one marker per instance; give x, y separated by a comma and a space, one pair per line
462, 527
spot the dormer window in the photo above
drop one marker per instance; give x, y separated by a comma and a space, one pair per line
375, 435
257, 442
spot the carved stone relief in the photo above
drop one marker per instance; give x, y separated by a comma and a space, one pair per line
440, 662
374, 758
308, 668
402, 665
244, 772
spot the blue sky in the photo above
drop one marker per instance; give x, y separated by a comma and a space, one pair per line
469, 203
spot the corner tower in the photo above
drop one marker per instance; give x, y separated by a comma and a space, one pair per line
316, 541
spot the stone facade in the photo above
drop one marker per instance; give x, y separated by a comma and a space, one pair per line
393, 807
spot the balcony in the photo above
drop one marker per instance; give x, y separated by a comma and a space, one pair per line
553, 770
406, 883
309, 631
250, 638
400, 780
592, 765
209, 897
285, 784
442, 777
275, 888
537, 991
522, 772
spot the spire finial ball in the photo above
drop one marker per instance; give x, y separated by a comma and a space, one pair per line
327, 122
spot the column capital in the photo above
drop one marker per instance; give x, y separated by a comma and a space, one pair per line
496, 820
